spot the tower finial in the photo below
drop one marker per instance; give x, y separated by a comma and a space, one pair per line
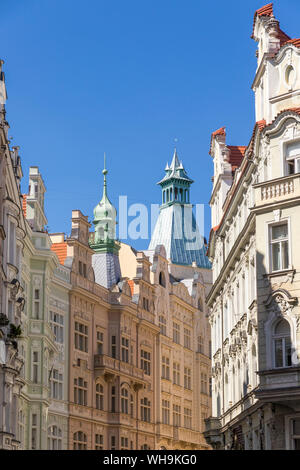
104, 171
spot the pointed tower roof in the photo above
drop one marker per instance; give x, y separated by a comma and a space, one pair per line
105, 215
176, 227
104, 209
175, 170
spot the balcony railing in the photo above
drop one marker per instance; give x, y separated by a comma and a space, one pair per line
115, 366
277, 190
279, 384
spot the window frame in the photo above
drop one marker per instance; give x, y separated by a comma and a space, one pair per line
270, 225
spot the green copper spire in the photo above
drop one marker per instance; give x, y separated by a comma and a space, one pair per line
175, 184
105, 215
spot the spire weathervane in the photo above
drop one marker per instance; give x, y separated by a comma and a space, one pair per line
104, 172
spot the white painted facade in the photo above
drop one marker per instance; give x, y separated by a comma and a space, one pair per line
254, 249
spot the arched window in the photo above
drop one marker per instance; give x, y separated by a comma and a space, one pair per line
54, 438
181, 194
99, 397
200, 304
162, 279
145, 447
226, 393
168, 197
124, 400
171, 194
79, 441
282, 344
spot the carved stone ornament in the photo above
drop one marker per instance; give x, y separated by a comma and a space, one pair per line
281, 302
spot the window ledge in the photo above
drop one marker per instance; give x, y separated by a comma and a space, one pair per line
284, 272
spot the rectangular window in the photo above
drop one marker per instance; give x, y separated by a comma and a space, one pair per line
113, 347
113, 399
296, 434
80, 391
57, 325
35, 366
145, 362
293, 158
176, 373
203, 383
165, 368
187, 378
125, 349
12, 242
99, 342
279, 247
200, 345
124, 443
188, 418
56, 385
145, 410
81, 337
163, 325
99, 442
176, 333
187, 338
145, 304
176, 415
36, 304
113, 443
165, 412
34, 432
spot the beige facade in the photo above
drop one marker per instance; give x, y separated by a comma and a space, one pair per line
254, 249
131, 385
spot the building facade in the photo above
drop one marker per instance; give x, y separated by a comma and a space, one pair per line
43, 410
12, 232
131, 324
254, 308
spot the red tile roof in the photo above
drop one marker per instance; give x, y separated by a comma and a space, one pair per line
284, 38
266, 10
260, 125
236, 155
221, 131
295, 42
24, 204
61, 250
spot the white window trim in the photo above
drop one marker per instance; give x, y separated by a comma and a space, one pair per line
284, 146
269, 327
269, 226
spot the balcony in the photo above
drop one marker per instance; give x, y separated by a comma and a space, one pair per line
212, 432
279, 385
277, 190
110, 367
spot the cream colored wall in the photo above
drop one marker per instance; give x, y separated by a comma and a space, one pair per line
127, 261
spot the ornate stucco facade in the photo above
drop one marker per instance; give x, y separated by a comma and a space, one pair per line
12, 232
139, 365
254, 310
43, 410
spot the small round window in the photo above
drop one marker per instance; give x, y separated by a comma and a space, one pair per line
290, 75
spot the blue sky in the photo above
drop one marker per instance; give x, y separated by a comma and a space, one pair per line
127, 78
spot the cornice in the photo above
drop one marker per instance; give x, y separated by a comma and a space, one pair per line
231, 258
